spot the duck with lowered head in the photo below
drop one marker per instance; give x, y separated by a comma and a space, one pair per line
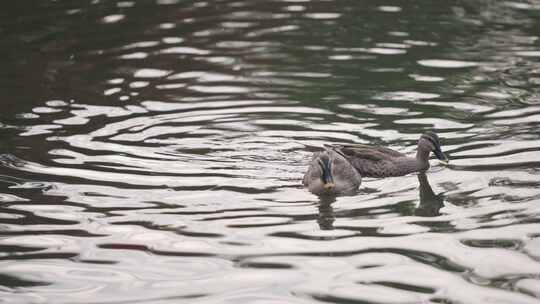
330, 172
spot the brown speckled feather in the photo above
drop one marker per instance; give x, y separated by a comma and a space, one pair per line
370, 152
377, 161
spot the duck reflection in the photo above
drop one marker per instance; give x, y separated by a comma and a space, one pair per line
326, 213
430, 203
429, 206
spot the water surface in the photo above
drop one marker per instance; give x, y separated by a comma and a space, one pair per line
153, 151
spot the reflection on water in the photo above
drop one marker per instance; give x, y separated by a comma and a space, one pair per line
153, 151
326, 213
430, 203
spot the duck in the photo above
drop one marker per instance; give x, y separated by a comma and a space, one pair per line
330, 173
378, 161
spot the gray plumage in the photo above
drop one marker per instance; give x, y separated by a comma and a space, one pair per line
330, 172
375, 161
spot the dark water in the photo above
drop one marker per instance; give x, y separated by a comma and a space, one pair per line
152, 151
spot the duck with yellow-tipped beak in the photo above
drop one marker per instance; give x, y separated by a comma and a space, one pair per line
331, 173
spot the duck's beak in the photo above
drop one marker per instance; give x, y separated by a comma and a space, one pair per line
329, 185
440, 155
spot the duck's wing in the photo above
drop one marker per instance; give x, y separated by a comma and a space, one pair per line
371, 161
367, 152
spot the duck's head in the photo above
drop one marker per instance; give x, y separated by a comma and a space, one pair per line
330, 173
430, 140
325, 166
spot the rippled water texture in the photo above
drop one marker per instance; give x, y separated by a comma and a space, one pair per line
153, 151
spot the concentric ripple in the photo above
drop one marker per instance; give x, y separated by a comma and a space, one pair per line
153, 151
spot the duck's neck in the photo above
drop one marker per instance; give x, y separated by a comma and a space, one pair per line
422, 157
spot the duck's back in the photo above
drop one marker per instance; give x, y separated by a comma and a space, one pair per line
376, 161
